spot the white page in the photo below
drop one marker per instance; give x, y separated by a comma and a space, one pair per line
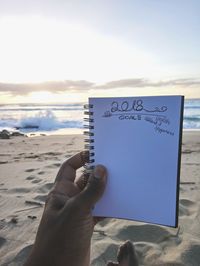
139, 145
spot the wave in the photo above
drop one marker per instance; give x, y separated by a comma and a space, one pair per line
50, 119
191, 122
192, 104
43, 121
192, 107
192, 118
40, 104
42, 108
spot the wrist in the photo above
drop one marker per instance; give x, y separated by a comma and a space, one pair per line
38, 257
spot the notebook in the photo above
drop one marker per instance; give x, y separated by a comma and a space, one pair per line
138, 139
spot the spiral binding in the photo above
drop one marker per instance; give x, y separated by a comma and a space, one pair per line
89, 140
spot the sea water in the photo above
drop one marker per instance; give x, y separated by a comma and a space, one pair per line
67, 118
34, 119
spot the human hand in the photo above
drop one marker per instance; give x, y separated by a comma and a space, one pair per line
66, 227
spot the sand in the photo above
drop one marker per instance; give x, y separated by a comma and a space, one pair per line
28, 167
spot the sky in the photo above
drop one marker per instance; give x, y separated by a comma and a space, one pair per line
66, 51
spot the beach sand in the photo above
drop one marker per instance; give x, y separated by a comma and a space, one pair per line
28, 167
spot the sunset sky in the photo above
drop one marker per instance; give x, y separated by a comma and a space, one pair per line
65, 51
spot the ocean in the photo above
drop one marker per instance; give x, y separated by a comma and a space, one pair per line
35, 119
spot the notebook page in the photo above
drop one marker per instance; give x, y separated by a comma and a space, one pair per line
137, 139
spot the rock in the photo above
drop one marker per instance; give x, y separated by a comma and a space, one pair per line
5, 131
32, 217
17, 134
4, 134
14, 220
27, 127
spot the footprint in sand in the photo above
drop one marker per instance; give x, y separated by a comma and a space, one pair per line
70, 144
30, 177
45, 188
41, 173
35, 181
2, 224
3, 189
31, 156
17, 158
54, 165
186, 207
30, 170
19, 190
2, 241
41, 198
53, 153
146, 232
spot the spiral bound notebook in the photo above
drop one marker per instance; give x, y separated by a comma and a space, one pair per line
138, 139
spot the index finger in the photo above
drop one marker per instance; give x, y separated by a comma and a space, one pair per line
69, 167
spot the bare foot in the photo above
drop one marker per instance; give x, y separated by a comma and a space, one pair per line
126, 256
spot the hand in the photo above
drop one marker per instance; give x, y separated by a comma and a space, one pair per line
66, 228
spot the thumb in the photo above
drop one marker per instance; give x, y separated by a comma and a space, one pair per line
95, 187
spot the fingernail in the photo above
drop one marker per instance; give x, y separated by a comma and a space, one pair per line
99, 171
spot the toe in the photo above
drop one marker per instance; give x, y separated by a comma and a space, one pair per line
127, 255
110, 263
122, 252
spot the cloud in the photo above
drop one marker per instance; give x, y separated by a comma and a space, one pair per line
128, 83
83, 85
51, 86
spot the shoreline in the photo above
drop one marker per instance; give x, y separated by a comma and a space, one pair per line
69, 132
